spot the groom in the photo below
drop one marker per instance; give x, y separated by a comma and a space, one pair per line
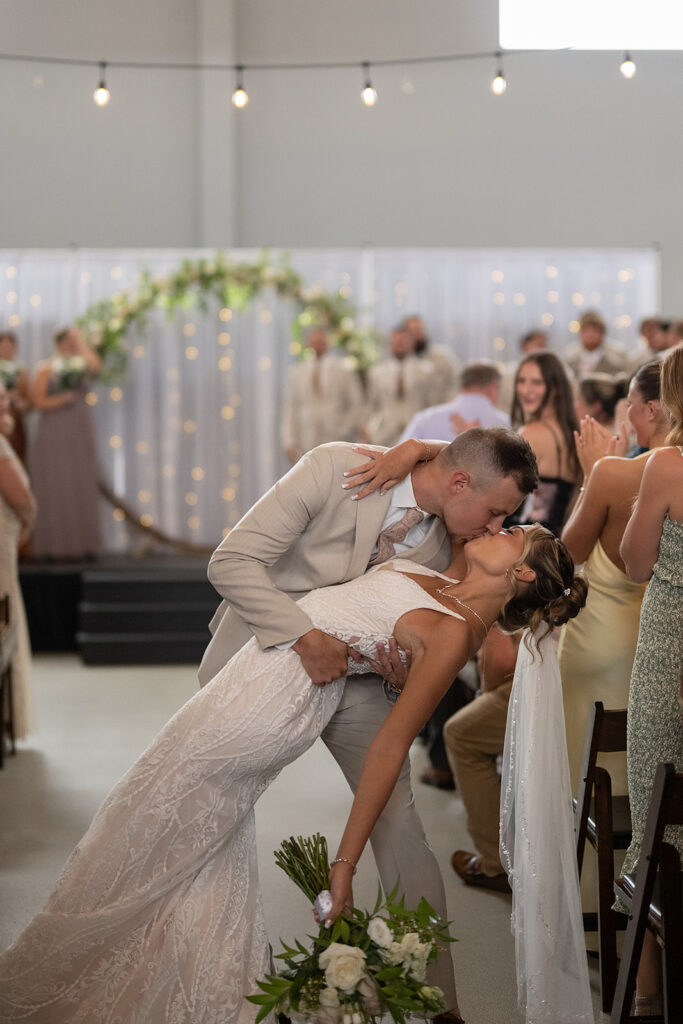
306, 532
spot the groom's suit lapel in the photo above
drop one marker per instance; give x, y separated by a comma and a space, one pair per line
370, 515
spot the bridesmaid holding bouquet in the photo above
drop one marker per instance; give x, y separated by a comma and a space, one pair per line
63, 458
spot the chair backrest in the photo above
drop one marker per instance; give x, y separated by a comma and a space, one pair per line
666, 808
606, 734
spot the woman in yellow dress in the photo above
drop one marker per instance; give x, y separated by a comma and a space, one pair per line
596, 649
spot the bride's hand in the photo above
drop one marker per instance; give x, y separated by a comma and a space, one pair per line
389, 665
385, 469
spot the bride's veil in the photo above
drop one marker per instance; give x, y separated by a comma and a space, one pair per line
537, 845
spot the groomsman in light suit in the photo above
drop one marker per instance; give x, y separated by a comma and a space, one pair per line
595, 353
398, 387
307, 532
323, 399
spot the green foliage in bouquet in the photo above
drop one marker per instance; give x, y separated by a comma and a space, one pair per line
368, 964
9, 374
216, 283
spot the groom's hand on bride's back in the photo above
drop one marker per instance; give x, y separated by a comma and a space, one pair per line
323, 656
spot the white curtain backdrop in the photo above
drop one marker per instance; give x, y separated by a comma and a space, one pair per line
190, 438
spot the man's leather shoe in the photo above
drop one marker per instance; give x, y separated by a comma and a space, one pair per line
449, 1017
466, 865
439, 777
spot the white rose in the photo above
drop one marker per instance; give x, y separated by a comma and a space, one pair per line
380, 932
410, 943
368, 996
394, 954
344, 966
329, 997
418, 968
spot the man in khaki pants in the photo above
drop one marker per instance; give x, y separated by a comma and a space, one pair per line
307, 532
474, 739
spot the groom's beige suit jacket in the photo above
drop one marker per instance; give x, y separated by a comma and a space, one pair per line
304, 533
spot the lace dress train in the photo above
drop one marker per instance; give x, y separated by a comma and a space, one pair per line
157, 915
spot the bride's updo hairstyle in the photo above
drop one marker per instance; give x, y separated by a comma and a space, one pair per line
555, 596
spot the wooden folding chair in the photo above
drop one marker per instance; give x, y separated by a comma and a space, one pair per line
8, 646
605, 821
654, 896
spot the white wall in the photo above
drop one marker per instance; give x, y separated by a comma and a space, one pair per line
571, 155
139, 172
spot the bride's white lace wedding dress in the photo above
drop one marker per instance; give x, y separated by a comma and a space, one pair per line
157, 916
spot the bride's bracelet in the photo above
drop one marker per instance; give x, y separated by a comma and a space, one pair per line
343, 860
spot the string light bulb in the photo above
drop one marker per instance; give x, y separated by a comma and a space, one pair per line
499, 85
369, 93
240, 97
102, 95
627, 66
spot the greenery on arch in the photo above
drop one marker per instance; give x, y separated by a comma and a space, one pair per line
217, 282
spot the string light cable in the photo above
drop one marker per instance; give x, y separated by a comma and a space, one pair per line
240, 97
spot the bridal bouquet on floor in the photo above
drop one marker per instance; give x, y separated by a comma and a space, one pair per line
369, 963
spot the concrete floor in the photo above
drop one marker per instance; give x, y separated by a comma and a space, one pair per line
93, 722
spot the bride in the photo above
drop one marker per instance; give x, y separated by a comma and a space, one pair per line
157, 915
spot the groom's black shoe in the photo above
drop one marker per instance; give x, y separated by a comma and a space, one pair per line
449, 1017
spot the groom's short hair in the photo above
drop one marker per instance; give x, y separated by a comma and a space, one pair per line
488, 452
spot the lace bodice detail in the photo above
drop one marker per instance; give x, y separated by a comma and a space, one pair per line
364, 611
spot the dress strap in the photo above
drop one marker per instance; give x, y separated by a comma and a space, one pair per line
558, 447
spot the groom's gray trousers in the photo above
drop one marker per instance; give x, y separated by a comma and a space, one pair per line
398, 841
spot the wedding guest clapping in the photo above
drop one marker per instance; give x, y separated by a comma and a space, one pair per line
14, 376
652, 550
63, 457
17, 512
596, 650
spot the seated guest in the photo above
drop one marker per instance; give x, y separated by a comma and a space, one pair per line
595, 352
323, 399
474, 406
444, 362
543, 408
474, 740
397, 388
652, 550
598, 396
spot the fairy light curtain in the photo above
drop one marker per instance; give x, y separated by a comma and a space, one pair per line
190, 437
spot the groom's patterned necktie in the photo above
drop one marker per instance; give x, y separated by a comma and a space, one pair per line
396, 534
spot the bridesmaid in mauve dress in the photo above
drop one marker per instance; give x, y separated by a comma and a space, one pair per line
17, 511
63, 457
